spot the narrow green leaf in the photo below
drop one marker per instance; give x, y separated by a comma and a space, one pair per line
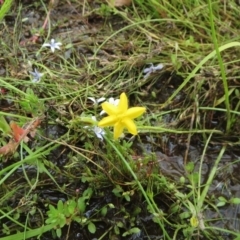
4, 126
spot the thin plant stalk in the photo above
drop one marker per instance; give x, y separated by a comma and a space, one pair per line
220, 61
210, 179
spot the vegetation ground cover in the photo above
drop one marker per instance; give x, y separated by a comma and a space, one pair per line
65, 174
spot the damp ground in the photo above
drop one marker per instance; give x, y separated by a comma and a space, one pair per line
178, 178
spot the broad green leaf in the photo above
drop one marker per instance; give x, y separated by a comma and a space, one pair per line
104, 211
91, 227
235, 200
131, 231
81, 204
59, 232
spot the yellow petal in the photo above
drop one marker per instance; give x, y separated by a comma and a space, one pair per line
109, 108
118, 129
123, 103
130, 125
134, 112
108, 121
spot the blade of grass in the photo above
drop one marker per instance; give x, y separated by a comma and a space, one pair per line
153, 207
30, 233
220, 61
196, 69
7, 215
210, 178
5, 8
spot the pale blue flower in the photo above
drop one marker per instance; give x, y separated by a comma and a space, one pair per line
36, 76
53, 45
148, 71
97, 130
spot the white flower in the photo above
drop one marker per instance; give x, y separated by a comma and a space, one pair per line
36, 76
53, 45
97, 130
148, 71
96, 101
113, 101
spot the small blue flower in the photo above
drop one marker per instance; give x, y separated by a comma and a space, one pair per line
148, 71
97, 130
36, 76
53, 45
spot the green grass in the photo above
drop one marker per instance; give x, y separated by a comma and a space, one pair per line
5, 8
65, 175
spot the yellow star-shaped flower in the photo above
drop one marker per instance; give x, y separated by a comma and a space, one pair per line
121, 116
